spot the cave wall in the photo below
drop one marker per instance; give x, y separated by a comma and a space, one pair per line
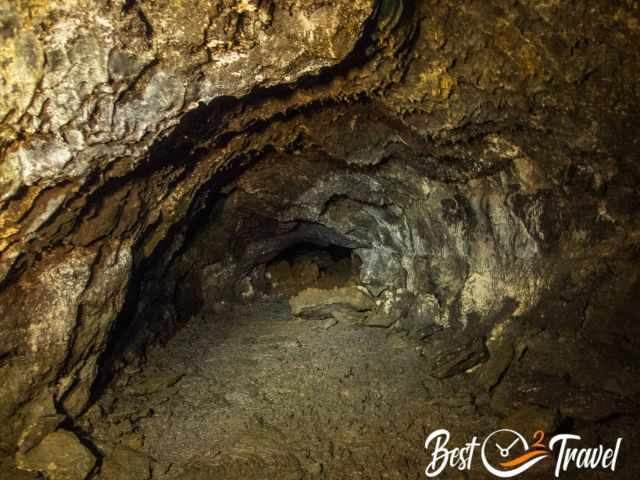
486, 246
485, 150
467, 248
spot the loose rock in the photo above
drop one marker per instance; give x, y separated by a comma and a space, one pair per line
460, 359
346, 303
60, 456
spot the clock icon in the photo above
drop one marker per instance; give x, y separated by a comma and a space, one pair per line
512, 451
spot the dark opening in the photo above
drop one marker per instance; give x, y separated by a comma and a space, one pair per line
305, 265
308, 249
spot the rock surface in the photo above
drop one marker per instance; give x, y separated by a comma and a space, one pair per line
459, 359
479, 159
122, 463
276, 397
60, 456
346, 303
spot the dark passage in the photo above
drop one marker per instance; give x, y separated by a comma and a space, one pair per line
305, 265
289, 239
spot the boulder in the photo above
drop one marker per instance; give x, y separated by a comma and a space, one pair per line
346, 303
60, 456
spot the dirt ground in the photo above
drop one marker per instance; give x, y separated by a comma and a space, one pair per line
257, 393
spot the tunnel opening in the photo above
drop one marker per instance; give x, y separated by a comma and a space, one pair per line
309, 265
293, 305
221, 259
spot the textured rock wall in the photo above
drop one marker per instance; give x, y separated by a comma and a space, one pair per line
89, 186
483, 151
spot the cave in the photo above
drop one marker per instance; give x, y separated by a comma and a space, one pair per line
310, 240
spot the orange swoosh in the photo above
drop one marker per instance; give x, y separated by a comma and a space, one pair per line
523, 458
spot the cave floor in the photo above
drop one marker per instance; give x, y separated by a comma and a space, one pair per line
257, 393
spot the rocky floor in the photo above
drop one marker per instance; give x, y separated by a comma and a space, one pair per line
252, 392
257, 393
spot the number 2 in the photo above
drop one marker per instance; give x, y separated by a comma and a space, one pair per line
538, 437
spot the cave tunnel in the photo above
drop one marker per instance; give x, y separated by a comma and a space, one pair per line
315, 240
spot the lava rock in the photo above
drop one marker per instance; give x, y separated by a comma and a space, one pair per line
8, 471
460, 359
391, 307
380, 319
60, 456
491, 372
329, 323
423, 317
529, 419
380, 269
288, 278
121, 463
346, 303
34, 435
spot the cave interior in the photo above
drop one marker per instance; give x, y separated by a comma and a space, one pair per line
435, 226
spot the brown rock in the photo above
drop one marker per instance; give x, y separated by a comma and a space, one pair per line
122, 463
529, 419
460, 359
60, 456
340, 303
